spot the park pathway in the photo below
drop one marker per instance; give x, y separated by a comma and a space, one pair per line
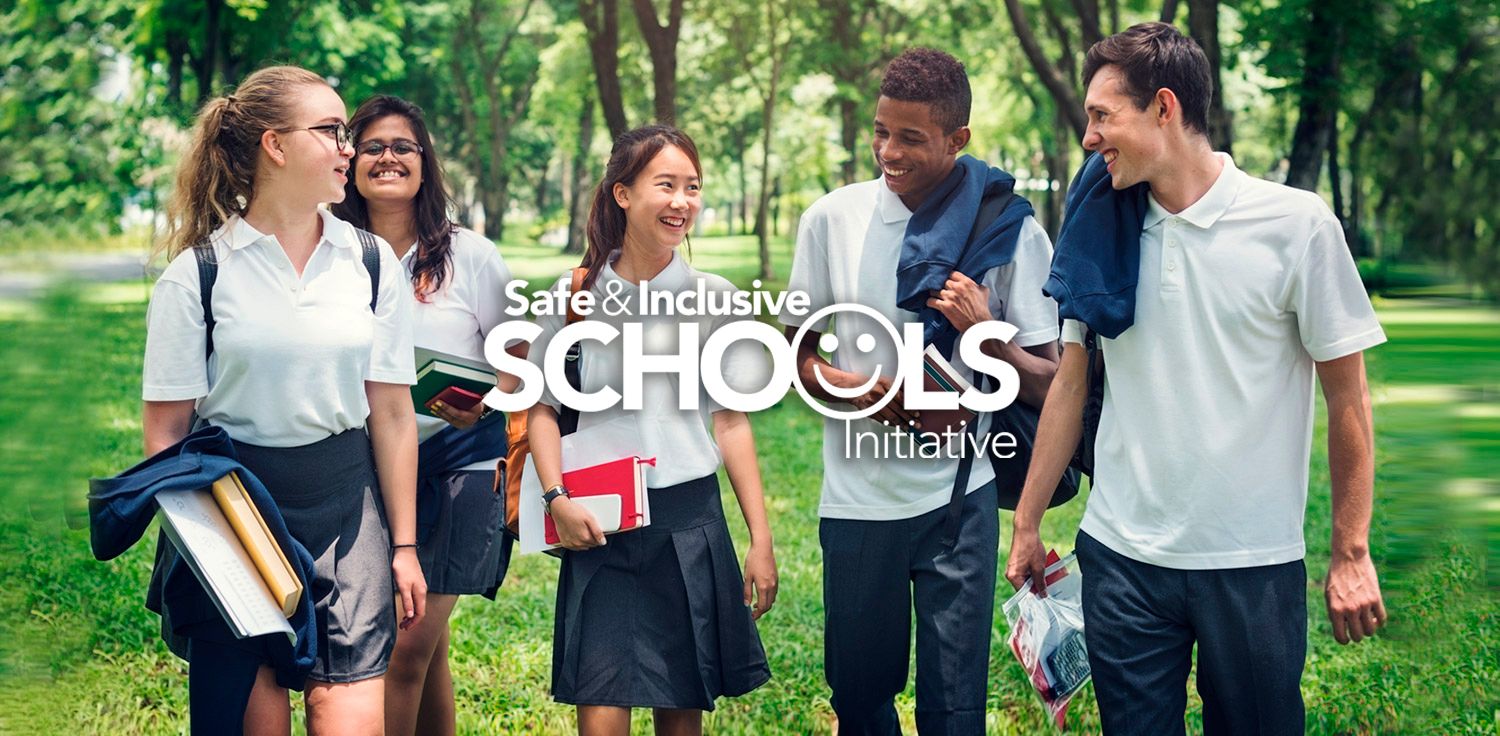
29, 276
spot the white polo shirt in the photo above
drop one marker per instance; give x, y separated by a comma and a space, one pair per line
456, 318
848, 249
679, 439
1206, 429
291, 355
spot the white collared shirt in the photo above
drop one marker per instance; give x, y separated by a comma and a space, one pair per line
456, 318
848, 249
291, 355
1203, 446
679, 439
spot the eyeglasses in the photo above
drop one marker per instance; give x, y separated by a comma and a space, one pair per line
375, 149
339, 132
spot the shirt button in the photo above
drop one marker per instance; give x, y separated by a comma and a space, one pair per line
1171, 265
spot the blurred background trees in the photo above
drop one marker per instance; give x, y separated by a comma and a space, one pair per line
1385, 107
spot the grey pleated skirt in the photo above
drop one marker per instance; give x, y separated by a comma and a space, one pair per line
467, 551
656, 618
327, 493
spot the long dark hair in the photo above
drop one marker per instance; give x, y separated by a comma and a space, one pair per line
432, 262
629, 156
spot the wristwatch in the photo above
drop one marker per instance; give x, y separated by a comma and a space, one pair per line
552, 494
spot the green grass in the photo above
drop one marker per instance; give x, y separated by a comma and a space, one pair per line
80, 655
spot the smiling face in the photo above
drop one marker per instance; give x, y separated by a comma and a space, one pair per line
1133, 141
390, 177
311, 158
911, 150
663, 201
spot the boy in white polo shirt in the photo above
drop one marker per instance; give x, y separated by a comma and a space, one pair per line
883, 518
1193, 530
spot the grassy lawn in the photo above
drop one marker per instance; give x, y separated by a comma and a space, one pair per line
80, 655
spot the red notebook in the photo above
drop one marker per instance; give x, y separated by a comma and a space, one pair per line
622, 478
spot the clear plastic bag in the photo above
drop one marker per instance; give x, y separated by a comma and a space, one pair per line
1046, 635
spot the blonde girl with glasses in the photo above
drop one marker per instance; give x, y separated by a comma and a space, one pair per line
309, 382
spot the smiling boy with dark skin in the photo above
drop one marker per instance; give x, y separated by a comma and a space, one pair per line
883, 518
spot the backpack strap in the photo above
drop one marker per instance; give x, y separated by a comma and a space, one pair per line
370, 253
208, 273
990, 208
567, 419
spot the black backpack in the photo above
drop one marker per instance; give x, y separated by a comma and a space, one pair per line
208, 273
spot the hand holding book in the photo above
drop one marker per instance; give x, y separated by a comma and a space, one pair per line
577, 527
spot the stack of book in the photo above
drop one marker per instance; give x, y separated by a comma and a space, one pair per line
221, 535
939, 376
614, 492
455, 381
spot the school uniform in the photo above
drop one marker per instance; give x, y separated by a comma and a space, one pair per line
461, 541
883, 518
656, 617
286, 381
1195, 537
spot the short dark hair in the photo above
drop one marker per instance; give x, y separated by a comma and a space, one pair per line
1153, 56
933, 77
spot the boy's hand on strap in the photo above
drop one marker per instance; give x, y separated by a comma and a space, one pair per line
964, 302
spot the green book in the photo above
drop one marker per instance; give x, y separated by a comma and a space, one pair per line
458, 382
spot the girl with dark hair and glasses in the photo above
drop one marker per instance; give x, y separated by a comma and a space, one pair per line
659, 617
458, 279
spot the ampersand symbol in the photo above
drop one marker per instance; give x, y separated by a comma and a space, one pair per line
614, 302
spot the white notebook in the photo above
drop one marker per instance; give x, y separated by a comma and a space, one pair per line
208, 544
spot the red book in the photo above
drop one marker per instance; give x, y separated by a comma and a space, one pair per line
617, 481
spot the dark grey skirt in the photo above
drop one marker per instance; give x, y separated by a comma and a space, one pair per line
327, 494
468, 550
656, 618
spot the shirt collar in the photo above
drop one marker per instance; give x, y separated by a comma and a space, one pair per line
673, 277
892, 209
236, 233
1210, 207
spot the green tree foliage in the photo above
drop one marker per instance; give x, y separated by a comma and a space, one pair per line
68, 152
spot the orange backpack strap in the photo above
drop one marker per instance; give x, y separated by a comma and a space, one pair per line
578, 276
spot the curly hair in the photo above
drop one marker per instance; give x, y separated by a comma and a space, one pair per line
932, 77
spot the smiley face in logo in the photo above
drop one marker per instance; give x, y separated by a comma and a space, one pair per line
864, 343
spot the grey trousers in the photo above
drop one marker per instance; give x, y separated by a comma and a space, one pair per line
875, 573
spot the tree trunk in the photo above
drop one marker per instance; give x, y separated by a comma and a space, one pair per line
1063, 93
496, 200
176, 50
209, 60
1203, 25
601, 20
1318, 100
1057, 160
1336, 180
740, 146
1169, 12
661, 41
849, 125
768, 120
579, 196
539, 199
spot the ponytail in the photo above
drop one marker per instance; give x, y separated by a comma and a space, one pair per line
216, 176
